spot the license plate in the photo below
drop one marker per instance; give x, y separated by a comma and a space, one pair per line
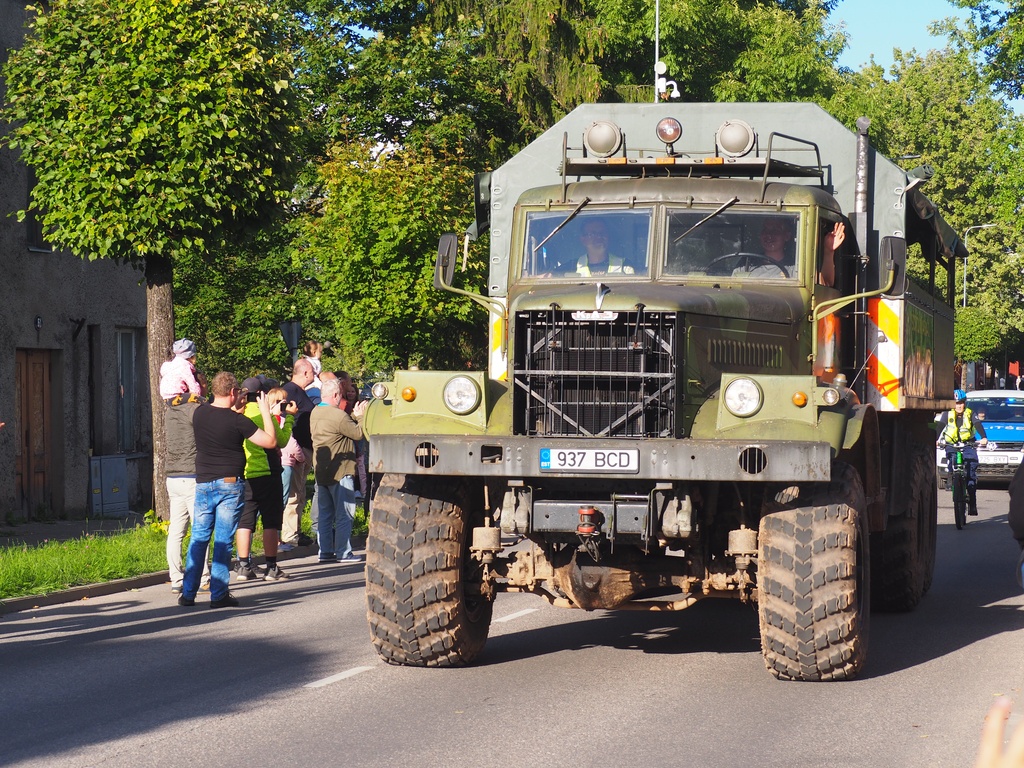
982, 458
589, 460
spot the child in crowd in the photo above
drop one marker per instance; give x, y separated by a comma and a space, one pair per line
178, 375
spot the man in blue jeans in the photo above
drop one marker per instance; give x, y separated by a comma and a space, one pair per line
334, 434
220, 431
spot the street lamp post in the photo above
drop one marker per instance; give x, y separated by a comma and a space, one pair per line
966, 233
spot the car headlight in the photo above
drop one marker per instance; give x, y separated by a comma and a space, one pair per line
461, 395
743, 397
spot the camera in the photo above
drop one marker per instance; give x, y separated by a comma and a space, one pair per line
284, 406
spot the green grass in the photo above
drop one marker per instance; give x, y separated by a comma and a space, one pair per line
58, 565
93, 559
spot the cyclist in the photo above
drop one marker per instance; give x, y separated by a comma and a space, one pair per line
959, 426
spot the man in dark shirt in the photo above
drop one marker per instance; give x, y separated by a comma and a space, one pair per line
294, 478
220, 486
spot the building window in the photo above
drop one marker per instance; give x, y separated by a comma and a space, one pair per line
33, 224
129, 397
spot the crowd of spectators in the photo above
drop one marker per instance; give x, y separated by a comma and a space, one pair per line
237, 454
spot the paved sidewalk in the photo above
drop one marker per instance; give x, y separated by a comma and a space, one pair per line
61, 530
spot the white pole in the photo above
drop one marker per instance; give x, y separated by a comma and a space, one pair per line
657, 33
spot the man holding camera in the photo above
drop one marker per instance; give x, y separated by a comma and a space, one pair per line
264, 495
220, 432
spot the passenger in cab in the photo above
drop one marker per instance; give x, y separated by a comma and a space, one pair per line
777, 238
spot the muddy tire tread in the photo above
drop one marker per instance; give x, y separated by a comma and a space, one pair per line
416, 604
813, 622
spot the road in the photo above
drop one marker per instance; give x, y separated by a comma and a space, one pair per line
290, 679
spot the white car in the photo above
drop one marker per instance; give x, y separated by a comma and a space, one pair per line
1002, 413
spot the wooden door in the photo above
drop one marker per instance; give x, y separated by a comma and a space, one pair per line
32, 427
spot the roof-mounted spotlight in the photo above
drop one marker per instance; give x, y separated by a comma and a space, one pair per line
602, 138
669, 130
735, 138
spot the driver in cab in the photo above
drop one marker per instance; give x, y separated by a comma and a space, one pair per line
597, 260
777, 235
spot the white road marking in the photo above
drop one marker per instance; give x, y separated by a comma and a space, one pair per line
515, 615
335, 678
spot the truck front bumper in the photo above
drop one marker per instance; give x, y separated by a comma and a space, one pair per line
664, 460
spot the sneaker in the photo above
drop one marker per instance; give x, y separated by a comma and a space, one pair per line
285, 547
305, 541
228, 601
176, 590
204, 587
276, 574
185, 602
328, 559
351, 560
247, 573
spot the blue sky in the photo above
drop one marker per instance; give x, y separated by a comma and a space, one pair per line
878, 26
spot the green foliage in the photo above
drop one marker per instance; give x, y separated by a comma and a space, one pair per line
784, 57
939, 109
999, 37
976, 335
155, 523
232, 302
371, 251
153, 126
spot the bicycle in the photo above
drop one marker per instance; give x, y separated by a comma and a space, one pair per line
957, 482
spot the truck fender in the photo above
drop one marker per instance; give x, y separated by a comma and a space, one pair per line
862, 450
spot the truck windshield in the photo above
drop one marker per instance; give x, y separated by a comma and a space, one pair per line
755, 246
595, 243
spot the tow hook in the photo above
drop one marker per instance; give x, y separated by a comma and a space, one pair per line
589, 529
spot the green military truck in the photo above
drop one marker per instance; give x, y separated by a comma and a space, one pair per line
710, 377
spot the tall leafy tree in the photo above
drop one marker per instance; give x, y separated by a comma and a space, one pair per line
998, 33
157, 129
937, 109
371, 251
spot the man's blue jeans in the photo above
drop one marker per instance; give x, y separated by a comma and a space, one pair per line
217, 510
336, 509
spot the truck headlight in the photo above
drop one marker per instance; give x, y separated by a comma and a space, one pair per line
461, 395
743, 397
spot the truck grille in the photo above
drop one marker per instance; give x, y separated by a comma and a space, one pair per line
591, 374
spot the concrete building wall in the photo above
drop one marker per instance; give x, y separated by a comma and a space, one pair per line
73, 370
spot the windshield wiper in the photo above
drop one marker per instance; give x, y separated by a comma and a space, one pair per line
725, 206
565, 221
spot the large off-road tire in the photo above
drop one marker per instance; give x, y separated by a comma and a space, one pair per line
814, 583
422, 590
903, 555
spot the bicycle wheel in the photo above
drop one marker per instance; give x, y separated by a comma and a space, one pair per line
959, 500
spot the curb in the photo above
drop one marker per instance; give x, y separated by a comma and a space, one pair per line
17, 604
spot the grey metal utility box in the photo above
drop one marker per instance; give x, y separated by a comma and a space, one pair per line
108, 486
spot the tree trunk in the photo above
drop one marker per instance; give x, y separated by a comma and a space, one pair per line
160, 337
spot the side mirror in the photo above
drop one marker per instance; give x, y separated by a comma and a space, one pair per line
893, 255
447, 253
